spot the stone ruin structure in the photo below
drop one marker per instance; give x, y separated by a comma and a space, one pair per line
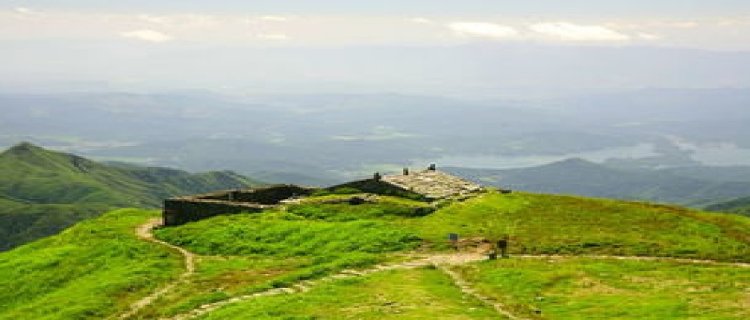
181, 210
427, 185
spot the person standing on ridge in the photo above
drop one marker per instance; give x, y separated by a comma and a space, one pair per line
502, 245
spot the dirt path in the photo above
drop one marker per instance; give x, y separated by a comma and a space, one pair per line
145, 232
638, 258
440, 261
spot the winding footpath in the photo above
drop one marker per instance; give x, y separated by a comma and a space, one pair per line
145, 232
442, 262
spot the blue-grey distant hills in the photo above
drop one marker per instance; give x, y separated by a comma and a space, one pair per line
693, 186
739, 205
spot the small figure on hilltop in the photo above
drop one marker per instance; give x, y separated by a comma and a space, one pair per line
502, 245
432, 167
406, 171
377, 176
453, 237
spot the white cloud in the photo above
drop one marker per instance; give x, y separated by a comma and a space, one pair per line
483, 30
274, 36
648, 36
683, 24
420, 20
147, 35
154, 19
566, 31
274, 18
23, 10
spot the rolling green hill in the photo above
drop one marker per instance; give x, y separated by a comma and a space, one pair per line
43, 191
291, 262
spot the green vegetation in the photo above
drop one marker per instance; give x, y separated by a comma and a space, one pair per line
98, 268
335, 208
549, 224
408, 294
89, 271
43, 192
287, 235
221, 277
579, 288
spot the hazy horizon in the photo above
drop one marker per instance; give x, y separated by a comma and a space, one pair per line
484, 49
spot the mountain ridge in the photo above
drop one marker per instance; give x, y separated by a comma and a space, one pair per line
684, 186
36, 184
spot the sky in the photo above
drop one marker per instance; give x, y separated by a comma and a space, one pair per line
122, 42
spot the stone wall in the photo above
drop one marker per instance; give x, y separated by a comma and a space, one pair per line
182, 210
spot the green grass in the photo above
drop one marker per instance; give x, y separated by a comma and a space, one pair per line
407, 294
43, 192
220, 277
580, 288
550, 224
287, 235
97, 268
385, 207
89, 271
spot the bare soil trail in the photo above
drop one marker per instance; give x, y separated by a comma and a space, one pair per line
441, 261
145, 232
437, 260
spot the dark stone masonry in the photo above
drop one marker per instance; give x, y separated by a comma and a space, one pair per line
181, 210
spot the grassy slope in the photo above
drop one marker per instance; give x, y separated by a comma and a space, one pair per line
577, 288
574, 225
34, 175
249, 252
87, 272
43, 192
410, 294
315, 238
102, 267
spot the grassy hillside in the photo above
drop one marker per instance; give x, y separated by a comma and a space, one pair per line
740, 206
412, 294
43, 192
581, 288
101, 263
576, 225
536, 224
87, 272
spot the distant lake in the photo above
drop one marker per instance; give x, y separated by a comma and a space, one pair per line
719, 154
507, 162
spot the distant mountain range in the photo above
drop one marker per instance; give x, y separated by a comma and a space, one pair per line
43, 191
332, 138
698, 186
740, 206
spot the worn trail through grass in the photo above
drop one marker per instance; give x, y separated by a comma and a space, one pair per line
145, 232
440, 261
